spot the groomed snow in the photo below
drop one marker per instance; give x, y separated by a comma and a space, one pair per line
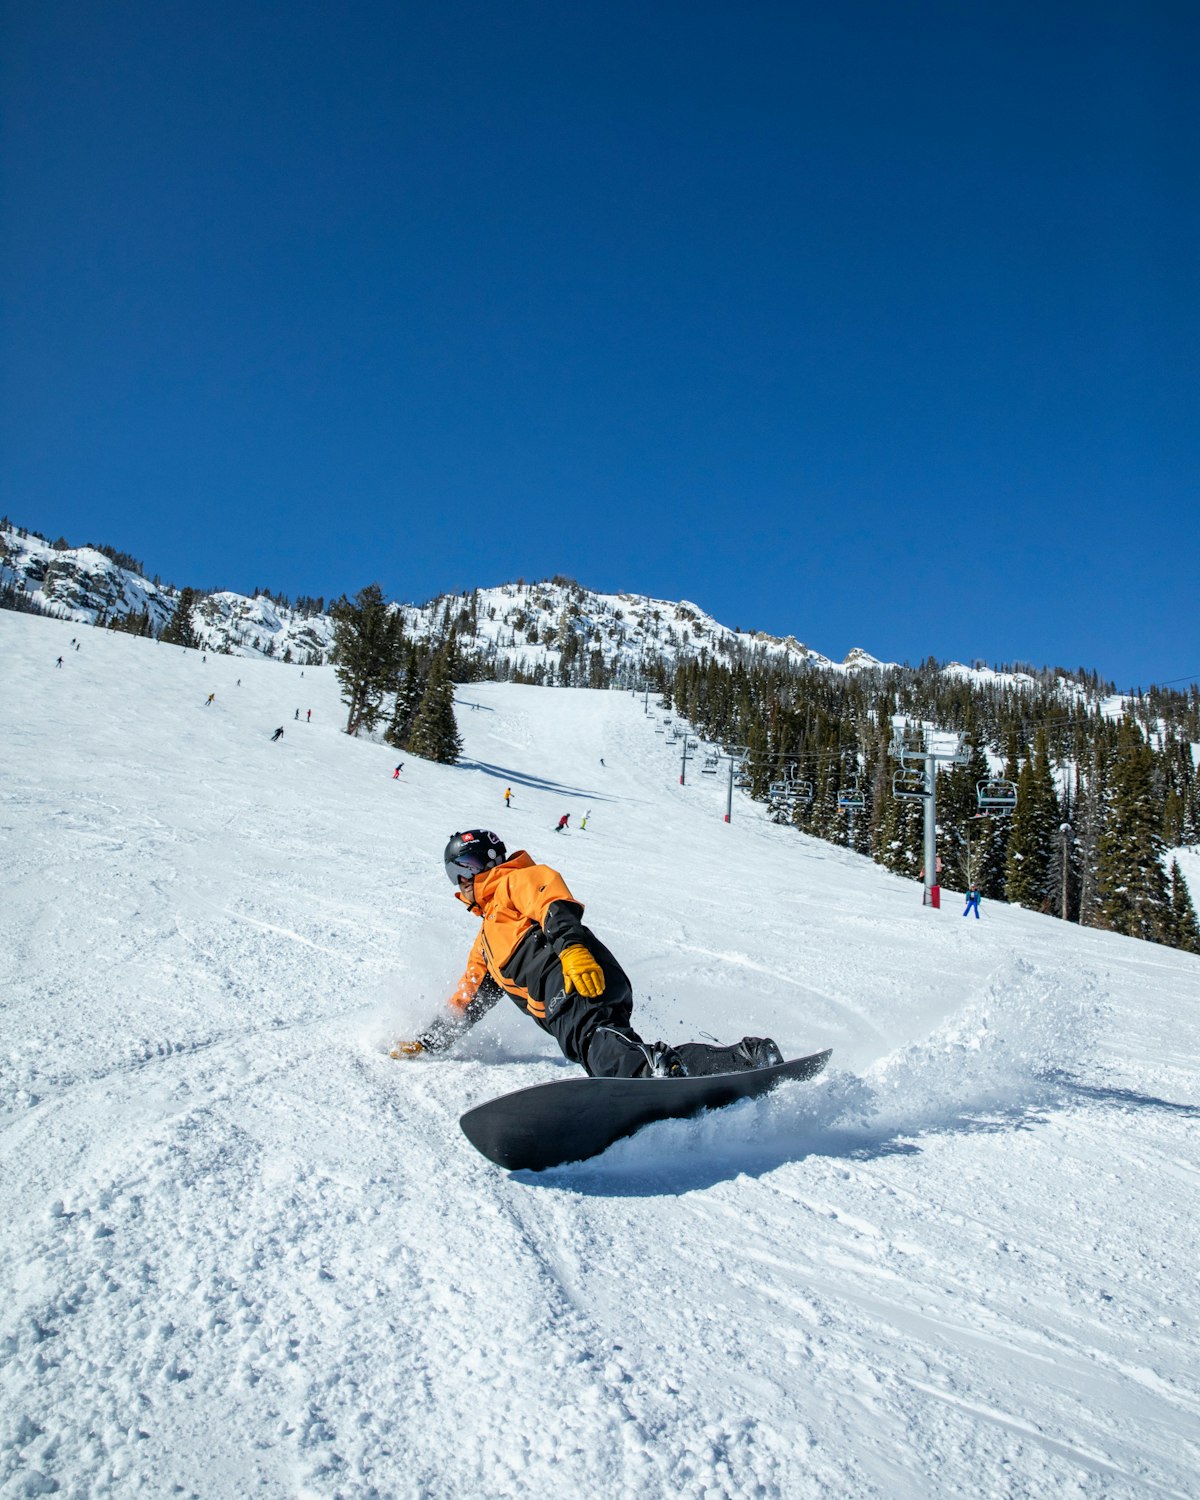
245, 1252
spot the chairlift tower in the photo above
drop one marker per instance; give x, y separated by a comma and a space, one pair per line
736, 756
940, 748
689, 744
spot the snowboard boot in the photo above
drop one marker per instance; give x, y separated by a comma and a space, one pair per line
759, 1052
618, 1052
701, 1060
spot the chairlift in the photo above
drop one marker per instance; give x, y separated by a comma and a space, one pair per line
802, 790
909, 782
850, 798
996, 795
711, 765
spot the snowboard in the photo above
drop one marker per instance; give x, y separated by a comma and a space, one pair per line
574, 1118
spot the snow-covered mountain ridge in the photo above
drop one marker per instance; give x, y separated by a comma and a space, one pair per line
84, 585
527, 624
529, 627
532, 623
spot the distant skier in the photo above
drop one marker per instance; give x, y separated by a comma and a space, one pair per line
557, 971
297, 715
309, 719
278, 735
583, 821
602, 762
209, 699
396, 772
972, 901
508, 796
563, 822
59, 662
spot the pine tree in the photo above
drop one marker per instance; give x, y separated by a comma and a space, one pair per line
1091, 811
180, 629
434, 734
408, 701
1131, 887
1185, 930
1029, 868
368, 642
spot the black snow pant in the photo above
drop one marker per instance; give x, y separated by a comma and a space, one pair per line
598, 1033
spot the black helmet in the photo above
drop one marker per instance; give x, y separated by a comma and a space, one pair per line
469, 854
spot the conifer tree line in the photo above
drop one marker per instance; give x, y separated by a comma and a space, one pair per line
1099, 801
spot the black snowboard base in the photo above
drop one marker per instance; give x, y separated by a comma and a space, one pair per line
552, 1123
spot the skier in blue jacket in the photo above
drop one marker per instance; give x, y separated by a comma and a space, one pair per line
972, 901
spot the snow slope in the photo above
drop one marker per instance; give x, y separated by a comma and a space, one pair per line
245, 1252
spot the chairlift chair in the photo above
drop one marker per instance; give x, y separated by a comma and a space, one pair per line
850, 798
802, 790
909, 782
996, 795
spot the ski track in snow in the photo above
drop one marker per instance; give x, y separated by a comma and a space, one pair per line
246, 1252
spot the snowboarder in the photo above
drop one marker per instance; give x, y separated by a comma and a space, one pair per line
583, 821
396, 772
508, 797
278, 735
972, 901
563, 822
532, 945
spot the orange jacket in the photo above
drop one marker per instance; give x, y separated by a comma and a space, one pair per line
515, 899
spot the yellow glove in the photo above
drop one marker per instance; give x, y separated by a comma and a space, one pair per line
408, 1049
582, 972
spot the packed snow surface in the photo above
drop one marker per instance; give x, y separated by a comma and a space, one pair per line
245, 1252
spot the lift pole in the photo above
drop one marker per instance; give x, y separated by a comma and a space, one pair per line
941, 748
689, 745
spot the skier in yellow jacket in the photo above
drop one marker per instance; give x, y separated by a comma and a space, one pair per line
532, 945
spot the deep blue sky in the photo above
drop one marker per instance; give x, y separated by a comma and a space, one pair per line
876, 323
